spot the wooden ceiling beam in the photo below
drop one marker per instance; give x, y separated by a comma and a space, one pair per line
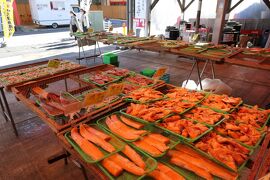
180, 5
234, 6
153, 4
185, 8
267, 3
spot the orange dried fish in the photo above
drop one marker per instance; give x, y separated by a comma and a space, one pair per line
145, 94
204, 115
245, 133
147, 112
253, 116
222, 102
184, 94
186, 128
223, 149
174, 105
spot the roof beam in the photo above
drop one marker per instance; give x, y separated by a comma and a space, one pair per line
181, 5
185, 8
234, 6
267, 3
153, 4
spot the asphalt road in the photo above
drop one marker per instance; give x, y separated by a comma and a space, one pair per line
39, 44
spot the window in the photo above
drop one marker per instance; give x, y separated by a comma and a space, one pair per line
76, 9
57, 5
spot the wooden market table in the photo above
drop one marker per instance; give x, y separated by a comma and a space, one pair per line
5, 109
23, 92
257, 166
249, 60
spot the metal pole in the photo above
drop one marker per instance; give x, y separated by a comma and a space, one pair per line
198, 72
127, 14
198, 16
131, 4
189, 75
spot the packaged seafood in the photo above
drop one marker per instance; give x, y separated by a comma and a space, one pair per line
92, 143
187, 130
127, 164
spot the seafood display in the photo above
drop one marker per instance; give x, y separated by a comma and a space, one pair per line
144, 95
99, 78
123, 130
89, 148
183, 127
54, 104
226, 150
140, 80
204, 115
173, 105
221, 102
31, 73
147, 112
129, 87
92, 143
117, 72
152, 145
187, 158
253, 116
183, 94
164, 172
245, 133
129, 160
67, 106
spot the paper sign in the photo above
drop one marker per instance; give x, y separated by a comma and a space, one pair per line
53, 63
160, 72
140, 23
115, 89
72, 108
93, 98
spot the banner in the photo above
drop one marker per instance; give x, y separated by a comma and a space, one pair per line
8, 26
140, 9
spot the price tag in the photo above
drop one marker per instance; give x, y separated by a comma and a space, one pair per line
160, 72
90, 30
72, 108
115, 89
93, 98
53, 63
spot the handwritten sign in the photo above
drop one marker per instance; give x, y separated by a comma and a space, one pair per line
53, 63
93, 98
115, 89
140, 9
72, 107
160, 72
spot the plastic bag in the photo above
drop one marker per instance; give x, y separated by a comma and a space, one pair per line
216, 86
190, 84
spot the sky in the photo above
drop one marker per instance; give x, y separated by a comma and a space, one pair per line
166, 12
209, 8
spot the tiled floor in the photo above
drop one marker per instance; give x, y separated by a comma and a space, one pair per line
25, 157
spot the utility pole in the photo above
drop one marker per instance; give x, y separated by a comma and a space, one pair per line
222, 8
198, 15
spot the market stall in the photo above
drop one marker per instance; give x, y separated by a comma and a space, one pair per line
119, 124
204, 119
105, 115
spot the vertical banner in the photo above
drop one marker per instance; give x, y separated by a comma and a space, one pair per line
142, 9
7, 18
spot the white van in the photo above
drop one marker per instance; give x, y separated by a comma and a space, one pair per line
52, 12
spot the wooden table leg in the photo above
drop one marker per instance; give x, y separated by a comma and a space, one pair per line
7, 111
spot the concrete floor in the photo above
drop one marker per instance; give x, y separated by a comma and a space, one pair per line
25, 157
